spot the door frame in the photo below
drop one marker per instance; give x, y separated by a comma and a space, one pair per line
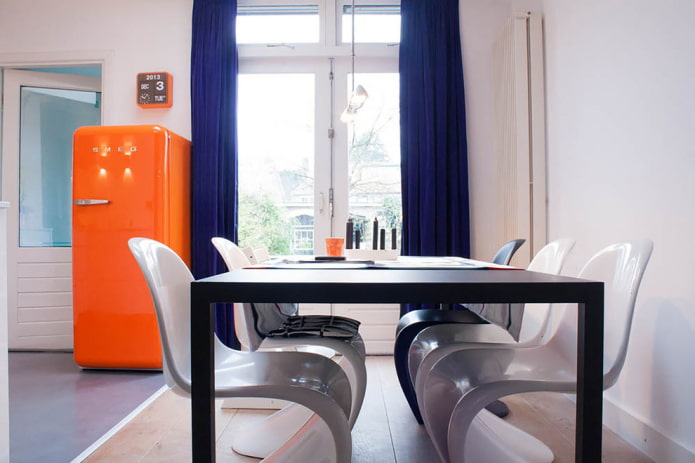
10, 160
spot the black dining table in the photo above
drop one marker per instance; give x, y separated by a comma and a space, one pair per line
382, 284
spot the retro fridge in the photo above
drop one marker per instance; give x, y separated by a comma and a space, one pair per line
128, 181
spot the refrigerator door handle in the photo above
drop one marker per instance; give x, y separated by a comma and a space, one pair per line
90, 202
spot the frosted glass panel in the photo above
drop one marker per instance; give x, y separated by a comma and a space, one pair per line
48, 119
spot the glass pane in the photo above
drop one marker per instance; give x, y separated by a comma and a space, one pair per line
374, 159
276, 24
48, 119
373, 24
276, 162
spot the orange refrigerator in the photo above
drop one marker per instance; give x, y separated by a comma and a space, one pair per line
127, 181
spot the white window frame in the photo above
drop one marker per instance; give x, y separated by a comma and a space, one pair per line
329, 44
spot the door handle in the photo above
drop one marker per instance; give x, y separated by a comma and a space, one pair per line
90, 202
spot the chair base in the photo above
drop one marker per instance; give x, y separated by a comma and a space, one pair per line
311, 443
266, 437
409, 326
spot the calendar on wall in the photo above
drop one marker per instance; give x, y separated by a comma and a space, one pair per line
154, 90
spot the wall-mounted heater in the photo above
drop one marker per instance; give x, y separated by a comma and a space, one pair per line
519, 142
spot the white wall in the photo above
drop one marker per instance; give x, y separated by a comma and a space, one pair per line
135, 36
620, 80
621, 114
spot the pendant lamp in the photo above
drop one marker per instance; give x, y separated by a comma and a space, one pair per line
359, 95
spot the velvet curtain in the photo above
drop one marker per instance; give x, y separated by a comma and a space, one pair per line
434, 160
214, 67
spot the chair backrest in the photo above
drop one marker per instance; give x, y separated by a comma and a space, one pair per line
261, 253
256, 255
232, 254
235, 258
621, 267
169, 281
506, 252
252, 321
549, 259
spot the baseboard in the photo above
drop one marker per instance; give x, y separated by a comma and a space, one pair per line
643, 437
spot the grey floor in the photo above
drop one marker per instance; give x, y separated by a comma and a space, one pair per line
57, 409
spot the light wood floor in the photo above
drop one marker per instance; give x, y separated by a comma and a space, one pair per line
385, 432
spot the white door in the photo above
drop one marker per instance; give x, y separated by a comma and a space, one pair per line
303, 172
41, 112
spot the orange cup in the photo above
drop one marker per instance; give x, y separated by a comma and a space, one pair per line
334, 246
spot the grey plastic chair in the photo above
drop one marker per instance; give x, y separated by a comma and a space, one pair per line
413, 322
438, 341
282, 425
310, 380
460, 384
351, 350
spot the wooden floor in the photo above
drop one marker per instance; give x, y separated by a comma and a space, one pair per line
385, 432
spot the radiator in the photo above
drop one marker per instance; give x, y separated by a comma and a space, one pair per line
519, 135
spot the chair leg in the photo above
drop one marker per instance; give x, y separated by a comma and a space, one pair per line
266, 437
311, 443
400, 358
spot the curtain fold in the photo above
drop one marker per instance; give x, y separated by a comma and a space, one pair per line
214, 68
434, 159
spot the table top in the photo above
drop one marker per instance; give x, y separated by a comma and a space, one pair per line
375, 285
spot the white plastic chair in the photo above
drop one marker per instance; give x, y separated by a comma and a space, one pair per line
256, 255
310, 380
415, 321
350, 350
438, 341
459, 385
280, 426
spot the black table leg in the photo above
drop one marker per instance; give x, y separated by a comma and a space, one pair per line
590, 379
202, 379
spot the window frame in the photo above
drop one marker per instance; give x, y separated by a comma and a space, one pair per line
302, 57
330, 33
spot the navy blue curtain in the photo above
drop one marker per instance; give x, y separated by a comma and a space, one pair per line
214, 66
434, 160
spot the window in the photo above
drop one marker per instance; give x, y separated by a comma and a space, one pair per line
373, 23
302, 173
276, 24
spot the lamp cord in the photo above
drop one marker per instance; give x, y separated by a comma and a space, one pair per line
352, 40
